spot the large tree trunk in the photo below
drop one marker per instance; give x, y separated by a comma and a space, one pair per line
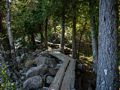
46, 33
74, 51
63, 29
107, 59
93, 34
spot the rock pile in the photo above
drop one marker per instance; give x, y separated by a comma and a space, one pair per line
41, 75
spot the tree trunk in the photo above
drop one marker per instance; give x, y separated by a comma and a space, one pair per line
74, 51
63, 30
54, 25
93, 34
33, 41
41, 32
12, 62
10, 36
42, 37
46, 33
80, 39
0, 20
107, 78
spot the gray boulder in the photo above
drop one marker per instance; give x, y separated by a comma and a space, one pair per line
41, 60
52, 71
58, 66
18, 59
35, 82
49, 79
39, 70
51, 62
45, 88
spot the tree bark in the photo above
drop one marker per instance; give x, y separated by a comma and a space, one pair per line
74, 51
42, 37
63, 30
93, 34
0, 20
9, 32
46, 33
13, 66
107, 78
80, 39
54, 25
41, 32
33, 41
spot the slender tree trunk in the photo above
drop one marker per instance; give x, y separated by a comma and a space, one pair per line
93, 34
10, 36
13, 64
107, 78
46, 33
80, 39
54, 25
74, 51
41, 32
63, 30
4, 42
0, 20
33, 41
2, 52
42, 37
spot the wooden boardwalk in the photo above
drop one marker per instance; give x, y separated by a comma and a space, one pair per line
65, 77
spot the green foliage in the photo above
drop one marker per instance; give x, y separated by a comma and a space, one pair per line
28, 17
5, 83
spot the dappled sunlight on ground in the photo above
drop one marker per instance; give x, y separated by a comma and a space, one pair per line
86, 61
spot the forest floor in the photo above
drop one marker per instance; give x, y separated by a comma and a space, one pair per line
85, 78
32, 63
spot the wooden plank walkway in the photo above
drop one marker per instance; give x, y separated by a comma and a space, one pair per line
65, 77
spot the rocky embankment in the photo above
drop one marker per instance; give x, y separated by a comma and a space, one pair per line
37, 70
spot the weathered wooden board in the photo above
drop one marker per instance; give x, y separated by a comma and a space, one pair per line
60, 74
65, 77
69, 78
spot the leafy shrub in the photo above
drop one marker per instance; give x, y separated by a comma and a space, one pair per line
5, 83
